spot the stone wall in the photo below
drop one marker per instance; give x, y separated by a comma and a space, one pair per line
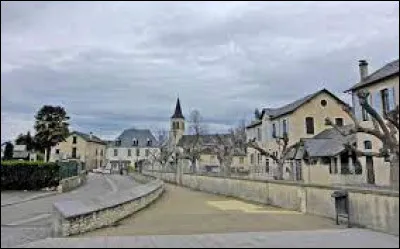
79, 216
376, 209
71, 183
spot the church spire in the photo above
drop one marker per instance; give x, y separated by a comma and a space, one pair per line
178, 110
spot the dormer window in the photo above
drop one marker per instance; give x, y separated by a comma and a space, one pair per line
118, 143
135, 142
149, 142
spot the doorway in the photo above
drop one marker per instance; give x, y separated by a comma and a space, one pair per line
370, 170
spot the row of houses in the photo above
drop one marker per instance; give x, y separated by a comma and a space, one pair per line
317, 153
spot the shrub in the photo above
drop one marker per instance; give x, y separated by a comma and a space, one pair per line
25, 175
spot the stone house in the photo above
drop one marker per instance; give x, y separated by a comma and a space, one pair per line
303, 118
132, 148
86, 148
383, 86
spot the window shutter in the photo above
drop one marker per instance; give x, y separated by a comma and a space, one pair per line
378, 103
392, 99
287, 127
357, 107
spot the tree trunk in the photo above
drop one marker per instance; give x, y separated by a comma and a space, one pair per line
48, 150
394, 172
279, 171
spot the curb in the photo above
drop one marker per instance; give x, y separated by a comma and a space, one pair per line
29, 199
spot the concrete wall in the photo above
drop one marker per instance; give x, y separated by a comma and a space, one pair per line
79, 216
371, 208
71, 183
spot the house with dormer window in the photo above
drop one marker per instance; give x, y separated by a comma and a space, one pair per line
132, 147
303, 118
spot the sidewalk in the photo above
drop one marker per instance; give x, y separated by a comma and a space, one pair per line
343, 238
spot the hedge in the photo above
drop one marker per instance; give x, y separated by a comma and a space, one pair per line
25, 175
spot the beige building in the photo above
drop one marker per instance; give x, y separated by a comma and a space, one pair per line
383, 86
303, 118
86, 147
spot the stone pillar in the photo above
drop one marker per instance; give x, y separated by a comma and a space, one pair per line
339, 164
351, 165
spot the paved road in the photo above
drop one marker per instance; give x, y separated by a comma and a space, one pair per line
333, 238
31, 220
181, 211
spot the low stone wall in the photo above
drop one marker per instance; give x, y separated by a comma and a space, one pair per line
71, 183
376, 209
79, 216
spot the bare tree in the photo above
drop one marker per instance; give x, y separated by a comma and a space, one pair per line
165, 153
278, 158
385, 131
225, 146
194, 147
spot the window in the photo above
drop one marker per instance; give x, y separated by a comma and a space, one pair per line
147, 152
135, 142
137, 152
74, 152
74, 140
385, 100
57, 151
258, 134
310, 125
118, 143
259, 159
129, 152
339, 121
284, 127
273, 130
101, 152
252, 158
241, 160
149, 142
115, 152
323, 102
96, 152
367, 145
267, 165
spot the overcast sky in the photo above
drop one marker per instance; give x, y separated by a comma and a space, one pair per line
117, 65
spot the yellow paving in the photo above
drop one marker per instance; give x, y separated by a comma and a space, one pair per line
246, 207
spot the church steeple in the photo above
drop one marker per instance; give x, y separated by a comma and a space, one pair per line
178, 110
177, 124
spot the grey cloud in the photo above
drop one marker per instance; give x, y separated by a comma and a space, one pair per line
118, 65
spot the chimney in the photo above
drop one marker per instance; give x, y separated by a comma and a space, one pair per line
363, 65
91, 135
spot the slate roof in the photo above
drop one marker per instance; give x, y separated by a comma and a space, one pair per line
254, 124
178, 110
291, 107
325, 144
384, 72
87, 138
142, 135
205, 139
323, 147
